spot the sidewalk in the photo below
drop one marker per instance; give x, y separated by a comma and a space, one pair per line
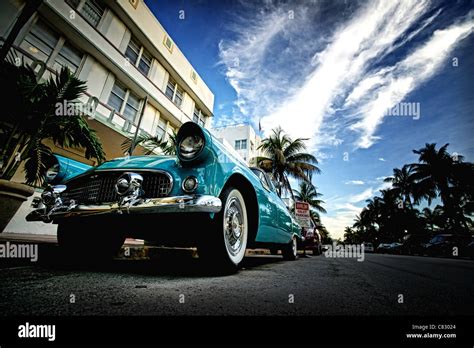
133, 249
47, 238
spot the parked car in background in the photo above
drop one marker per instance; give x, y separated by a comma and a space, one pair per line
444, 244
221, 204
394, 248
368, 247
389, 248
414, 244
382, 248
311, 240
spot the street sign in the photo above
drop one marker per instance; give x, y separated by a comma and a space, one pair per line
302, 214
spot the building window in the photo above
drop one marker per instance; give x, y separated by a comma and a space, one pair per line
124, 102
161, 129
198, 116
68, 56
138, 56
168, 43
174, 92
92, 10
117, 97
145, 62
40, 41
46, 45
131, 107
241, 144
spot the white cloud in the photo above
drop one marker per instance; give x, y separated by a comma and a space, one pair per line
336, 224
382, 159
366, 194
371, 32
396, 82
266, 65
266, 40
354, 182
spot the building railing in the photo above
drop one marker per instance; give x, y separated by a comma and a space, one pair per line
102, 112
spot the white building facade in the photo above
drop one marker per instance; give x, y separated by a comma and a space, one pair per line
124, 54
242, 138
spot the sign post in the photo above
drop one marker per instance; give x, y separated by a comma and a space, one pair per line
302, 214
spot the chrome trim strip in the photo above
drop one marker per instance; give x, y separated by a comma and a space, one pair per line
176, 204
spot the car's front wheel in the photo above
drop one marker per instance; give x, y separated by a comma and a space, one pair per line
290, 251
223, 246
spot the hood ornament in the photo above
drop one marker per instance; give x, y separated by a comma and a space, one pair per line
129, 188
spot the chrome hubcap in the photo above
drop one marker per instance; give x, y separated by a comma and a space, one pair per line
294, 246
233, 226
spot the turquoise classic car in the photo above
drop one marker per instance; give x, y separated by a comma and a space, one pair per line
205, 197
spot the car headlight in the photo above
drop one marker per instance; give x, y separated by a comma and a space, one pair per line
191, 146
52, 172
190, 184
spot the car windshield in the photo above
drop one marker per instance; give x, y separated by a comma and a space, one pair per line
264, 179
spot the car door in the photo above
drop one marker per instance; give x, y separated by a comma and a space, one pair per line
283, 221
268, 228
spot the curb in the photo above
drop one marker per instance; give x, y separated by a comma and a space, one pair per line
133, 249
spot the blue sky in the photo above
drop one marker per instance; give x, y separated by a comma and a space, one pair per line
329, 71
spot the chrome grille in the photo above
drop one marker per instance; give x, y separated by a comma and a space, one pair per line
100, 187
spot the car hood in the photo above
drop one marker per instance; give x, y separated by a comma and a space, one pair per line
139, 162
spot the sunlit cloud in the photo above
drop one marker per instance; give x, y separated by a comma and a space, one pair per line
355, 182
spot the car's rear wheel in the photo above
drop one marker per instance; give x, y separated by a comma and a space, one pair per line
88, 243
290, 251
223, 247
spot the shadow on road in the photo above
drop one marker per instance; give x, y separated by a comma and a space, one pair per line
175, 263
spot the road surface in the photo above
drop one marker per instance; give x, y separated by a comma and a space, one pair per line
177, 285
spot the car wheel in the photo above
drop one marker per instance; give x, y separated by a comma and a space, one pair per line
316, 252
223, 249
86, 243
290, 251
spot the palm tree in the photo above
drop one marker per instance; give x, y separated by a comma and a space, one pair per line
430, 217
30, 116
434, 172
308, 193
403, 184
284, 157
152, 143
439, 173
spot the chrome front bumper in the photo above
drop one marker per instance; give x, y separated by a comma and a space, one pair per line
177, 204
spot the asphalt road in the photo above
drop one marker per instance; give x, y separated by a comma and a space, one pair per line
177, 285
